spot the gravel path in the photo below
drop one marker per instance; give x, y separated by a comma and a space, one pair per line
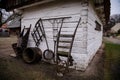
5, 46
113, 40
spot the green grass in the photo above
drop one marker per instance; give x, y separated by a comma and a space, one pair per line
112, 62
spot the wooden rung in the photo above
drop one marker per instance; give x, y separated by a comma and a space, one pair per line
55, 29
66, 35
65, 41
62, 53
26, 28
68, 47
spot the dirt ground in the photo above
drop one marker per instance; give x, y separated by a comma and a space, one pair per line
15, 69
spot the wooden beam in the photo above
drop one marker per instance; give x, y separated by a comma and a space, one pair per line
36, 3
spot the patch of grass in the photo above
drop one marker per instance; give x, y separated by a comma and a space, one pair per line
112, 62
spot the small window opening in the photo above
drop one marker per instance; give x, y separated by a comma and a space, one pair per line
98, 26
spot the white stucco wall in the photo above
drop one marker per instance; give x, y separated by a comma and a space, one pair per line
94, 38
87, 40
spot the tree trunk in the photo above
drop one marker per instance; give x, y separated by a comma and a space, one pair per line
0, 18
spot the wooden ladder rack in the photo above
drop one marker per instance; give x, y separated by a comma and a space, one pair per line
38, 32
66, 54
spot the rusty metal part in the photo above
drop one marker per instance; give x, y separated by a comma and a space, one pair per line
21, 44
56, 18
48, 54
38, 32
69, 61
62, 68
32, 55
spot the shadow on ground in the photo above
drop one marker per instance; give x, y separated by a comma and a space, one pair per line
15, 69
12, 69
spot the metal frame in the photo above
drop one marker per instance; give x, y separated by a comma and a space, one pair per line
20, 46
53, 21
69, 61
38, 32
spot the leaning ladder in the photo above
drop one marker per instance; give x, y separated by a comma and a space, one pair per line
69, 61
38, 32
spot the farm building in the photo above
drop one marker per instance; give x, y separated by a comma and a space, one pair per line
72, 28
115, 28
14, 26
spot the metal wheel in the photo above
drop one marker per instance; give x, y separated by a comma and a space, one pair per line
32, 55
48, 54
